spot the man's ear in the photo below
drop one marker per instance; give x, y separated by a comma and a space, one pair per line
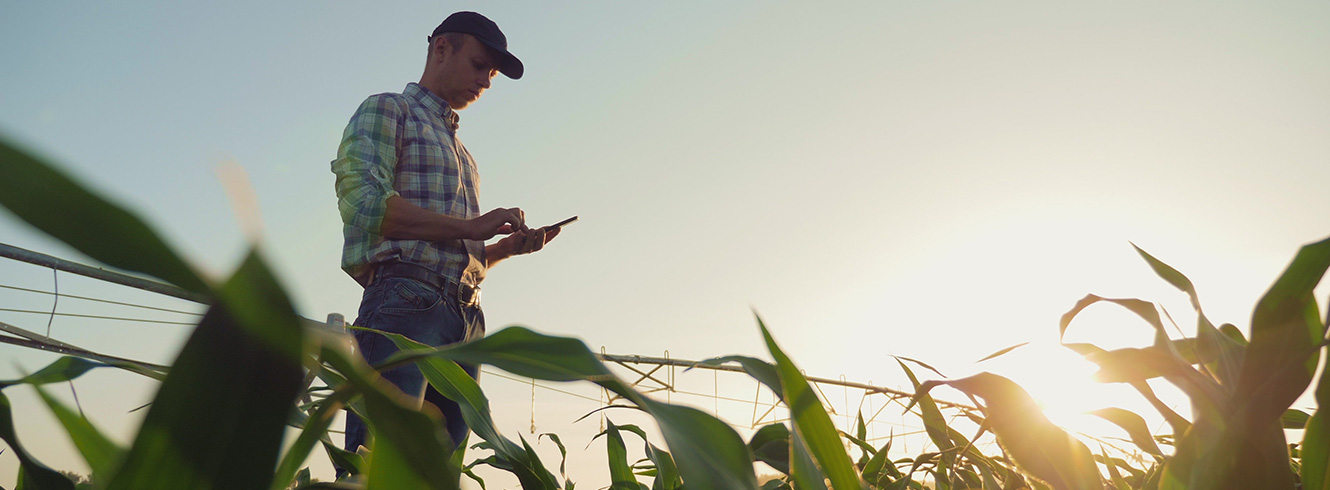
438, 47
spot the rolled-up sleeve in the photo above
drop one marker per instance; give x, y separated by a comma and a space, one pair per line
366, 160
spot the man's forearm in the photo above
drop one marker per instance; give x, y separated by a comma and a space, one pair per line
496, 252
405, 221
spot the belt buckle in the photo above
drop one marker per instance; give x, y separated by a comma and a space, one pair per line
468, 295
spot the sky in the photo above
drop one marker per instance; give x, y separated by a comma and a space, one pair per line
937, 180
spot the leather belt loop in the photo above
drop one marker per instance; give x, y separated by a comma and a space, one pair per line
465, 295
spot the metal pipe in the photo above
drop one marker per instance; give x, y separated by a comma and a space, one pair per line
41, 342
40, 259
736, 369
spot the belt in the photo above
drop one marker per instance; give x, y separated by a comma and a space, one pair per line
465, 295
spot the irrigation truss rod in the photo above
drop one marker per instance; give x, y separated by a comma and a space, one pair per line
662, 361
33, 340
35, 258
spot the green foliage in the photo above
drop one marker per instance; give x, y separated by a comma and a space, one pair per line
223, 407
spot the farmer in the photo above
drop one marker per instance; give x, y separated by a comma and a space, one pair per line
408, 192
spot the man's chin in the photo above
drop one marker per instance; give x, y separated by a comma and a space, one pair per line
462, 102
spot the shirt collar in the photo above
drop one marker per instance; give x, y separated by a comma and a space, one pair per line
433, 103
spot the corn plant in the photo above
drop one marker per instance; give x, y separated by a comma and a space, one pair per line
244, 375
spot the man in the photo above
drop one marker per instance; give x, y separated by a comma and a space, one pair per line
407, 191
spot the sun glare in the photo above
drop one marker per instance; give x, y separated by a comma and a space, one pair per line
1062, 382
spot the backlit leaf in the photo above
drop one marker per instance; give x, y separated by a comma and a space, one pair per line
812, 424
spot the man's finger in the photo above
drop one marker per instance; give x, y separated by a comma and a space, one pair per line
520, 218
537, 239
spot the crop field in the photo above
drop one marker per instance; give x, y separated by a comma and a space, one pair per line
252, 368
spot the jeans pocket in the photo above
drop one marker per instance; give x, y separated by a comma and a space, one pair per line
408, 296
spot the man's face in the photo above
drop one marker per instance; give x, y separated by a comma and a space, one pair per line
466, 73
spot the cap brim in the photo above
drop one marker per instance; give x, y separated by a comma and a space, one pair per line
509, 65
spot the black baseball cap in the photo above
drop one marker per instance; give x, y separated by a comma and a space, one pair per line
488, 33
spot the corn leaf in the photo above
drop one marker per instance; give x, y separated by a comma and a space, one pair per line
935, 424
771, 445
1134, 425
1037, 445
314, 429
709, 453
1286, 339
620, 472
100, 453
760, 370
455, 384
811, 422
879, 467
804, 473
1286, 336
1315, 470
239, 371
33, 474
1294, 419
1226, 354
1002, 352
416, 447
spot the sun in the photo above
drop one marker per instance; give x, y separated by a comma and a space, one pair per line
1062, 383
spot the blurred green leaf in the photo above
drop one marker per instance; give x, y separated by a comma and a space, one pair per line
390, 468
240, 372
315, 428
53, 203
33, 475
812, 424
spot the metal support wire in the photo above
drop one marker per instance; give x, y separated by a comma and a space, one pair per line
891, 393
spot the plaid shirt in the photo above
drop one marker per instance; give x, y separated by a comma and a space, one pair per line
405, 145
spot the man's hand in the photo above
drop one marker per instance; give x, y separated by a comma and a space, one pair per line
501, 221
519, 243
532, 240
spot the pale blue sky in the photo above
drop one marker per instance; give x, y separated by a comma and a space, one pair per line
930, 179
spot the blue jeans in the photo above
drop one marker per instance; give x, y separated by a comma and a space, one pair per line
421, 313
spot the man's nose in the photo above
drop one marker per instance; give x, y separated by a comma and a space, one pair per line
485, 82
